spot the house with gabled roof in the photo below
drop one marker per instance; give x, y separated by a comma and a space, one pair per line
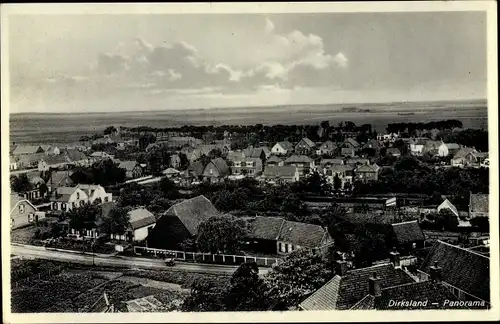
305, 146
275, 235
180, 222
133, 169
464, 272
274, 161
23, 212
261, 152
30, 160
446, 149
53, 162
406, 236
27, 150
366, 173
141, 223
96, 193
59, 179
282, 148
372, 144
68, 198
216, 170
343, 172
327, 148
302, 162
478, 205
417, 145
280, 174
349, 147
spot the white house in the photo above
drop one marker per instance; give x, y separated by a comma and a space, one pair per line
282, 148
68, 198
446, 149
446, 204
417, 146
96, 193
13, 164
141, 223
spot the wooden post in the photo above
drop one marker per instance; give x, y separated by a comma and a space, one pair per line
213, 257
184, 256
234, 259
224, 258
245, 259
265, 260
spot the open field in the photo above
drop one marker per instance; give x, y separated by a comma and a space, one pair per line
61, 128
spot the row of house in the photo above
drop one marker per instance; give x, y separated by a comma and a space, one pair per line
450, 277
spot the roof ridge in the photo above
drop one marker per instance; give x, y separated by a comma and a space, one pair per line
463, 249
405, 222
327, 283
372, 266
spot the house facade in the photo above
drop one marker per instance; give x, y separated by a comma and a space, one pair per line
446, 149
251, 167
366, 173
68, 198
417, 146
328, 148
282, 148
141, 224
216, 170
305, 146
23, 212
343, 172
280, 174
96, 193
304, 164
274, 161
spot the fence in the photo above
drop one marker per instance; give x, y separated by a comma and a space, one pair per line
223, 259
43, 274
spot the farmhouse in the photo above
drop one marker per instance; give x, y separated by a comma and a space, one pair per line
23, 212
275, 235
282, 148
180, 222
141, 224
216, 170
68, 198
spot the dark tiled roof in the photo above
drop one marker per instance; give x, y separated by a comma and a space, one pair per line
140, 217
127, 165
366, 303
463, 269
407, 232
419, 291
286, 145
221, 166
463, 152
331, 161
303, 234
27, 149
327, 145
75, 155
352, 141
192, 212
60, 179
56, 159
308, 142
366, 168
298, 159
280, 171
266, 228
274, 159
479, 203
344, 292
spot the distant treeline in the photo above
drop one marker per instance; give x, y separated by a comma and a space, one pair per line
412, 127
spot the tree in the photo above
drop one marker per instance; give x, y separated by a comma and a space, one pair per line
286, 283
168, 188
21, 183
337, 183
245, 291
117, 221
206, 295
110, 130
84, 217
221, 234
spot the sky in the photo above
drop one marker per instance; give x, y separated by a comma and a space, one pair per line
111, 63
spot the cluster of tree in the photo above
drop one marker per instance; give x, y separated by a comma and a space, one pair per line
21, 183
411, 128
476, 138
367, 241
92, 137
104, 173
411, 175
315, 184
282, 288
157, 197
110, 130
109, 148
222, 235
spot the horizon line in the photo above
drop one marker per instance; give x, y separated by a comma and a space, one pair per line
254, 107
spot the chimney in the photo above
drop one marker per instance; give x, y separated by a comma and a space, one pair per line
435, 272
374, 285
340, 268
395, 259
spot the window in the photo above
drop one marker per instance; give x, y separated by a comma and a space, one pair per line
21, 208
280, 247
54, 206
77, 195
286, 248
73, 204
30, 218
106, 199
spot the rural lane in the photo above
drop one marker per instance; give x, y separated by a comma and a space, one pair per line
31, 251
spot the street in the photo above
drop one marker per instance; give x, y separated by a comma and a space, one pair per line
130, 262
